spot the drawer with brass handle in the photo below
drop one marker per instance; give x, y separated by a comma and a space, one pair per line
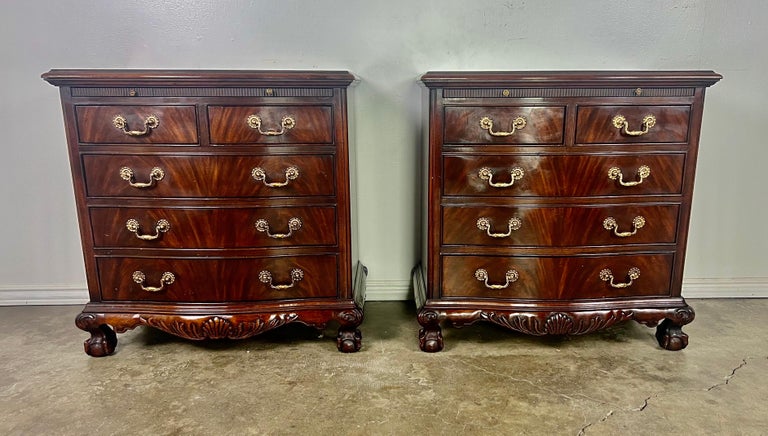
562, 175
211, 280
137, 124
521, 125
553, 226
557, 277
271, 124
202, 228
632, 124
209, 176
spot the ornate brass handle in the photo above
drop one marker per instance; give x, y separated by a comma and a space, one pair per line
161, 226
620, 122
484, 223
510, 276
643, 172
293, 224
607, 276
155, 174
291, 173
150, 123
611, 224
515, 173
166, 279
266, 277
287, 123
486, 123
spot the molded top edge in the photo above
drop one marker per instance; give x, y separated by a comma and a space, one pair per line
129, 77
458, 79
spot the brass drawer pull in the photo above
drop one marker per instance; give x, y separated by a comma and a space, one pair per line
611, 224
486, 123
643, 172
620, 122
161, 226
291, 173
510, 276
515, 173
293, 224
287, 123
155, 174
150, 123
484, 223
607, 276
296, 276
166, 279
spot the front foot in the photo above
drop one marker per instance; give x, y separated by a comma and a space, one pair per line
431, 339
671, 336
349, 340
102, 342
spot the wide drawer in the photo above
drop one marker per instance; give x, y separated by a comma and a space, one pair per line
504, 125
557, 278
563, 175
137, 124
217, 280
159, 227
632, 124
559, 226
270, 124
209, 176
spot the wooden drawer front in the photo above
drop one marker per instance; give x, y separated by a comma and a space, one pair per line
309, 125
213, 227
560, 226
210, 176
562, 175
595, 124
543, 125
216, 280
175, 124
557, 278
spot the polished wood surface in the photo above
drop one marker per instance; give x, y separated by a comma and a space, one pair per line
520, 227
197, 192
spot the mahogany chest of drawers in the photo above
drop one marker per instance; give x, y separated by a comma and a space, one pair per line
213, 204
558, 202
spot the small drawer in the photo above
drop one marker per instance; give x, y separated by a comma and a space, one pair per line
632, 124
557, 278
563, 175
137, 124
145, 227
271, 124
217, 280
209, 176
554, 226
533, 125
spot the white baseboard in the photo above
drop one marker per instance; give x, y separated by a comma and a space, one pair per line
386, 290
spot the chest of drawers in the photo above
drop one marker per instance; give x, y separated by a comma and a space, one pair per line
213, 204
557, 203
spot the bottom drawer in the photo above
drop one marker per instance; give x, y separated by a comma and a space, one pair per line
557, 278
217, 280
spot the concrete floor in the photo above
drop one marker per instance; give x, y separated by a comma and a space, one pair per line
486, 381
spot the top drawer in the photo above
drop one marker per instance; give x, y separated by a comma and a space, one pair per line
632, 124
504, 125
137, 124
270, 124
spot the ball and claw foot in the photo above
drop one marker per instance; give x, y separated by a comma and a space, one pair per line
431, 339
102, 342
349, 341
671, 336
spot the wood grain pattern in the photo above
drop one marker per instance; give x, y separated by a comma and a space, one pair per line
177, 124
594, 124
544, 125
563, 175
228, 124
